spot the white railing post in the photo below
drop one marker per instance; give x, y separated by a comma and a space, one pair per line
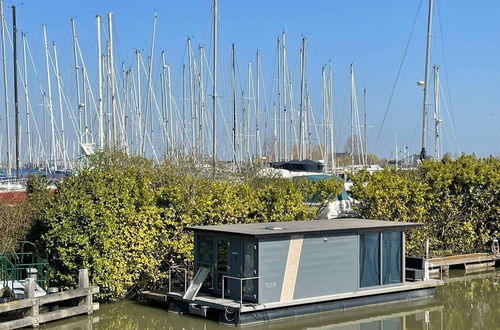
426, 261
223, 276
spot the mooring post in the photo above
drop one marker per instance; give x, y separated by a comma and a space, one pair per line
29, 293
426, 261
83, 283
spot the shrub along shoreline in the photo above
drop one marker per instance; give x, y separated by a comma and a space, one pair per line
123, 218
458, 200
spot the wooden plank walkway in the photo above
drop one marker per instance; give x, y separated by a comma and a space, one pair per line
464, 261
33, 316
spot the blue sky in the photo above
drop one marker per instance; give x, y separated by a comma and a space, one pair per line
370, 34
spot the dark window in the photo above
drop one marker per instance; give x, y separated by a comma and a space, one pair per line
249, 269
205, 249
222, 254
391, 257
369, 259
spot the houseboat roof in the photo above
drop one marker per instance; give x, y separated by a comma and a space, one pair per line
347, 225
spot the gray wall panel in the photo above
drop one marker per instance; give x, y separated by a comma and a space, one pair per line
272, 262
328, 265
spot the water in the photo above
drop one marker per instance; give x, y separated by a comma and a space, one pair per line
464, 302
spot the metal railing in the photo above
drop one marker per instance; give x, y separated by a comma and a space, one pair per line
20, 265
177, 268
241, 279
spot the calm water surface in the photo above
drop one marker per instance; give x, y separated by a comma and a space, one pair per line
464, 302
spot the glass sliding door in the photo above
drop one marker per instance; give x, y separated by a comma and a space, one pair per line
222, 263
250, 287
391, 257
380, 258
204, 258
369, 260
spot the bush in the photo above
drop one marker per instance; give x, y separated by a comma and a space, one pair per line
459, 201
124, 219
15, 225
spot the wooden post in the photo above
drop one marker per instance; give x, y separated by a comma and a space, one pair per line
29, 293
426, 276
403, 257
83, 282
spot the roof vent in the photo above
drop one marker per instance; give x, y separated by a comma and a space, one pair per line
273, 228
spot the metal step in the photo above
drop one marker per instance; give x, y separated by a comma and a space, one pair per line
196, 309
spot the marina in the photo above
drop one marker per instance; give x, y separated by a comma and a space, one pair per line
186, 165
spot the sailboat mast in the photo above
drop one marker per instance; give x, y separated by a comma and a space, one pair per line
332, 119
184, 146
16, 100
284, 69
278, 50
275, 134
59, 93
257, 115
248, 111
364, 126
112, 79
5, 91
191, 98
324, 145
26, 101
214, 91
164, 124
302, 99
437, 120
423, 152
233, 92
170, 113
201, 113
77, 69
49, 99
99, 69
140, 125
352, 114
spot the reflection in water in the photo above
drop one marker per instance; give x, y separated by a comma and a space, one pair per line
464, 302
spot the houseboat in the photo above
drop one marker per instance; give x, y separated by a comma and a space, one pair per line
247, 273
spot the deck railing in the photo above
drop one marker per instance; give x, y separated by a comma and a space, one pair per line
31, 306
20, 265
178, 269
241, 279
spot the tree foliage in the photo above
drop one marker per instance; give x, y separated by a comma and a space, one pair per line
459, 202
17, 221
124, 219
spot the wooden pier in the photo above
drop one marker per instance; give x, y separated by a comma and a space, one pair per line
34, 315
469, 262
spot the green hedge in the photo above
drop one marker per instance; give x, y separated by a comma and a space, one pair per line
459, 201
124, 219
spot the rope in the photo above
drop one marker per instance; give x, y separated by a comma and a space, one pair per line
398, 74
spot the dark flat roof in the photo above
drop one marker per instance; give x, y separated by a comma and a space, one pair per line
302, 227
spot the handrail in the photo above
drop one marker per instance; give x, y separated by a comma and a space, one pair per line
241, 279
170, 277
14, 265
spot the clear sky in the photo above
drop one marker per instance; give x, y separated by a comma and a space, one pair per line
370, 34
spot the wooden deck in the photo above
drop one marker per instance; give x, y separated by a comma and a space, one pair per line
465, 261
